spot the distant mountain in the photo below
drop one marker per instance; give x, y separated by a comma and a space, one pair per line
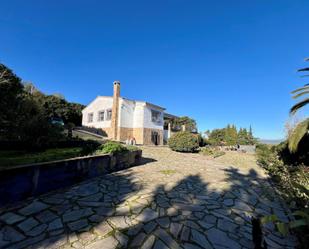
270, 141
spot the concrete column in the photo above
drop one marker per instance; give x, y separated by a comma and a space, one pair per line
169, 130
183, 128
115, 110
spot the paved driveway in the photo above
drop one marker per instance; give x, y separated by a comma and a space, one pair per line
173, 200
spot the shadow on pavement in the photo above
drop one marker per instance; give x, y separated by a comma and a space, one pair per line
116, 210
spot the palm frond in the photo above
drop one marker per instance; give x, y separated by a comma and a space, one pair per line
299, 105
298, 133
303, 69
305, 87
300, 94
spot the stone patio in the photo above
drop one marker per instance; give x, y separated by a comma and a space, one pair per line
173, 200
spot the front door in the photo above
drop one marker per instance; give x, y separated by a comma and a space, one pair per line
155, 138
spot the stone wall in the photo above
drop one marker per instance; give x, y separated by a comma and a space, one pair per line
138, 133
19, 183
147, 136
108, 131
125, 133
141, 135
247, 148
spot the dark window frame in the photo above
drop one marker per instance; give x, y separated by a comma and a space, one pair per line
108, 114
101, 117
157, 118
90, 120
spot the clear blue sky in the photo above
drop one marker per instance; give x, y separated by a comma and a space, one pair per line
218, 62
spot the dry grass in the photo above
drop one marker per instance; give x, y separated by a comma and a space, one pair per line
168, 171
237, 159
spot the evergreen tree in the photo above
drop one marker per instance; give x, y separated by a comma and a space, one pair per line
11, 102
230, 136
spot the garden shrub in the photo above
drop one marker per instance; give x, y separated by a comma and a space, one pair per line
132, 148
292, 182
183, 142
112, 147
301, 156
268, 159
89, 147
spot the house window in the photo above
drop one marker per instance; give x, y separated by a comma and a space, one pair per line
90, 117
109, 114
156, 117
101, 116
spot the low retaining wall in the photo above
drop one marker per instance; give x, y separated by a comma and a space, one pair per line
243, 148
21, 182
247, 148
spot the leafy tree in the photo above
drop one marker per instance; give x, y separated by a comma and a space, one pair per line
245, 137
25, 113
59, 95
217, 137
242, 136
74, 113
56, 106
11, 101
183, 141
22, 118
29, 87
189, 123
38, 133
230, 136
302, 129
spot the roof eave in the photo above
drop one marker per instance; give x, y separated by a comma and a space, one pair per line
155, 106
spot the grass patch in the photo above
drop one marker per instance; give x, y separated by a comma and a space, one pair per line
13, 158
168, 171
211, 151
237, 159
218, 154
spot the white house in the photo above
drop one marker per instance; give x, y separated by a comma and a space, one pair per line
124, 119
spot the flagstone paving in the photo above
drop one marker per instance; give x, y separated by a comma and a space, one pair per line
173, 201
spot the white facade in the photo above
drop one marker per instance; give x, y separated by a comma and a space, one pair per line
132, 114
101, 103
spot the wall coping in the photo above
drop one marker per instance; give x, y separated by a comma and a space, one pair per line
53, 162
29, 180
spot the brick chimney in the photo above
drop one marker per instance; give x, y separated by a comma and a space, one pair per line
115, 110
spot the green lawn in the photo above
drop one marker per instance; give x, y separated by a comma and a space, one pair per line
13, 158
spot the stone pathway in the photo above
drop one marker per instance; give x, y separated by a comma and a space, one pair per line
172, 201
